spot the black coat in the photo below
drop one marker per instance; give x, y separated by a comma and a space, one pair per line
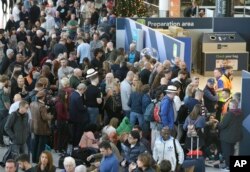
144, 76
34, 14
24, 17
10, 24
231, 127
4, 65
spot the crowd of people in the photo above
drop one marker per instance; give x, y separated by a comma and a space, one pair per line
64, 85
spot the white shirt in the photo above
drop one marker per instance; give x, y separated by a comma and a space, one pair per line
50, 23
16, 13
126, 90
84, 51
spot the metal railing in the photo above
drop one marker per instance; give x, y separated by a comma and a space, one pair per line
241, 10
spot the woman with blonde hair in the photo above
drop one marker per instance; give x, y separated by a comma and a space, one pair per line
106, 66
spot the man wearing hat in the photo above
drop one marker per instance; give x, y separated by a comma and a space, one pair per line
167, 111
210, 97
93, 96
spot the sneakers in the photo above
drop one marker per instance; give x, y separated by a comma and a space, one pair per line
226, 169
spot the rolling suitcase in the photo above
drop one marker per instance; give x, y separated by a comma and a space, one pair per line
197, 156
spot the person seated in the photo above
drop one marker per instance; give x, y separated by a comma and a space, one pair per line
88, 139
24, 163
45, 163
143, 163
213, 157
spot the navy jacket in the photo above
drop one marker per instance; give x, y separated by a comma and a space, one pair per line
146, 100
135, 102
210, 99
77, 110
131, 154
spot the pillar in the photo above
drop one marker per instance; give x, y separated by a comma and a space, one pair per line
164, 8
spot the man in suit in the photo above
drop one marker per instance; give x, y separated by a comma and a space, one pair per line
77, 113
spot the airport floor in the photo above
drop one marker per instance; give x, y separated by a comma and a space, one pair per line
236, 88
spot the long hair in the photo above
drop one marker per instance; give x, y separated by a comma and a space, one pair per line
195, 112
50, 160
62, 95
146, 159
138, 86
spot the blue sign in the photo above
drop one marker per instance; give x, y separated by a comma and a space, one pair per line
186, 23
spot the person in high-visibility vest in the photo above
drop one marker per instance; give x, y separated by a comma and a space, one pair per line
227, 78
226, 93
218, 87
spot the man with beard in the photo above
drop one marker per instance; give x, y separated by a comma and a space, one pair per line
227, 77
24, 163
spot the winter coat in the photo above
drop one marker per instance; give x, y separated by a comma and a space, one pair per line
17, 127
40, 119
231, 127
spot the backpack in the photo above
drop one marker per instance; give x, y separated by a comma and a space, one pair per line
191, 130
149, 111
156, 115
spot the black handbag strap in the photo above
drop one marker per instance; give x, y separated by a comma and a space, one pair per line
176, 154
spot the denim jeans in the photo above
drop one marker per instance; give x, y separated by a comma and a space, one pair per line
127, 113
136, 116
93, 114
